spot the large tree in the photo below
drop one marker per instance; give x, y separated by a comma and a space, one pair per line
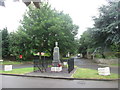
107, 25
41, 28
105, 35
5, 43
86, 42
0, 44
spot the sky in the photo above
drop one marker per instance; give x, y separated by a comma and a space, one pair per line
81, 12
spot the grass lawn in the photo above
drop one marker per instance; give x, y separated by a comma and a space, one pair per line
66, 66
115, 64
65, 58
15, 62
92, 74
11, 62
18, 71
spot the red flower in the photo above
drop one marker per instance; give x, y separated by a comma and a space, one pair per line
20, 56
59, 65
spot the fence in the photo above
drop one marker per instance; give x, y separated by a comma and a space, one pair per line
70, 64
41, 65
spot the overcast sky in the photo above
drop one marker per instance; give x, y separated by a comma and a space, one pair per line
80, 11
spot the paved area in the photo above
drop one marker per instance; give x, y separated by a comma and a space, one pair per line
30, 82
85, 63
48, 73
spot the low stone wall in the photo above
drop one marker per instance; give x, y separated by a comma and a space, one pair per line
106, 61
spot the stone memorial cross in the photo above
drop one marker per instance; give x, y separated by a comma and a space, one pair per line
56, 55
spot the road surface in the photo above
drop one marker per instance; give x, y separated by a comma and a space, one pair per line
31, 82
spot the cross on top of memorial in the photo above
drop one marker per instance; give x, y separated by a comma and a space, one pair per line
56, 44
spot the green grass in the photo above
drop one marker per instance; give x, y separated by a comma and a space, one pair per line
46, 54
16, 62
115, 64
92, 74
66, 66
18, 71
11, 62
65, 58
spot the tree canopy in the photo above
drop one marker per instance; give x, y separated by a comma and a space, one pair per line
5, 42
40, 29
105, 34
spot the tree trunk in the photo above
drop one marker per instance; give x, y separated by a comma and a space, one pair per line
51, 52
84, 55
40, 55
103, 56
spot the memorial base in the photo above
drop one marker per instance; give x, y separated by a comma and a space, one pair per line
56, 69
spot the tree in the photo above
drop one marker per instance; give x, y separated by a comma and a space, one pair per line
86, 42
0, 44
107, 27
41, 28
20, 44
105, 33
107, 24
5, 43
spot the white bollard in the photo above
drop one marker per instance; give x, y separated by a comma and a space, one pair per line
64, 63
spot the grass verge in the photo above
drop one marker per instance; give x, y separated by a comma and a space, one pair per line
115, 64
92, 74
66, 66
15, 62
18, 71
10, 62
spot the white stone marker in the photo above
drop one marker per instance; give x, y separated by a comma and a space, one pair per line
104, 71
7, 67
64, 63
1, 60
